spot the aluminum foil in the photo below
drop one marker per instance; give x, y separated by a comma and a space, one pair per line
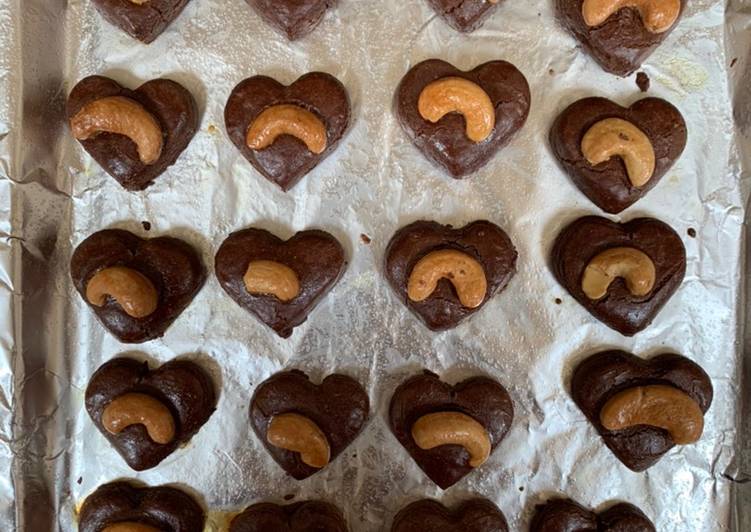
54, 195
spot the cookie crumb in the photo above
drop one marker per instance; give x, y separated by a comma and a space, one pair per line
733, 62
551, 71
558, 301
289, 496
643, 81
365, 239
79, 481
521, 488
146, 226
691, 232
212, 128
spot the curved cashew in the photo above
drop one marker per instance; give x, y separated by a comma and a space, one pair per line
453, 428
123, 116
615, 137
656, 405
453, 94
132, 290
630, 264
272, 278
658, 15
465, 273
130, 526
140, 409
287, 119
300, 434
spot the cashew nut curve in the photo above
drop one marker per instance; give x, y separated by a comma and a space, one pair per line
140, 409
465, 273
632, 265
658, 15
287, 119
300, 434
454, 94
453, 428
132, 290
123, 116
130, 526
271, 278
656, 405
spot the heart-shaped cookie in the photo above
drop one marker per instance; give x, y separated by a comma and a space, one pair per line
315, 258
464, 15
607, 184
299, 517
564, 515
178, 390
604, 375
482, 399
164, 102
294, 18
482, 241
144, 21
319, 99
171, 266
445, 142
120, 503
338, 408
476, 515
621, 42
592, 239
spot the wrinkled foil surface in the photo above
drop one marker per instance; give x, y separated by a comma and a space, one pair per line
54, 196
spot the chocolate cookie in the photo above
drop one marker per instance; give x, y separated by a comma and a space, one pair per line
134, 407
609, 184
476, 515
650, 256
565, 515
604, 376
464, 15
294, 18
477, 404
623, 41
119, 126
299, 517
496, 99
291, 128
120, 503
482, 245
306, 267
144, 21
137, 287
325, 418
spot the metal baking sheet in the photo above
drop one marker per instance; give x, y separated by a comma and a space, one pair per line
53, 196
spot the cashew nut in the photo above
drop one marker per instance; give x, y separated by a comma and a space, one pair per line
132, 290
615, 137
272, 278
453, 94
130, 526
630, 264
287, 120
453, 428
465, 273
658, 15
140, 409
123, 116
656, 405
300, 434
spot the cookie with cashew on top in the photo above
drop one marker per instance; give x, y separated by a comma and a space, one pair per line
136, 287
564, 515
615, 155
286, 131
623, 274
475, 515
302, 516
450, 430
642, 408
293, 18
146, 414
134, 135
464, 15
305, 426
144, 20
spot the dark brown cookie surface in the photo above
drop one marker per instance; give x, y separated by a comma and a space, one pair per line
339, 406
445, 142
476, 515
480, 398
482, 240
565, 515
607, 184
168, 102
145, 21
601, 376
181, 386
619, 309
160, 507
316, 257
307, 516
172, 266
288, 159
621, 44
464, 15
294, 18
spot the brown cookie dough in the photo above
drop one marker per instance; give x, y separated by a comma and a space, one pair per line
476, 515
464, 15
145, 21
304, 516
294, 18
